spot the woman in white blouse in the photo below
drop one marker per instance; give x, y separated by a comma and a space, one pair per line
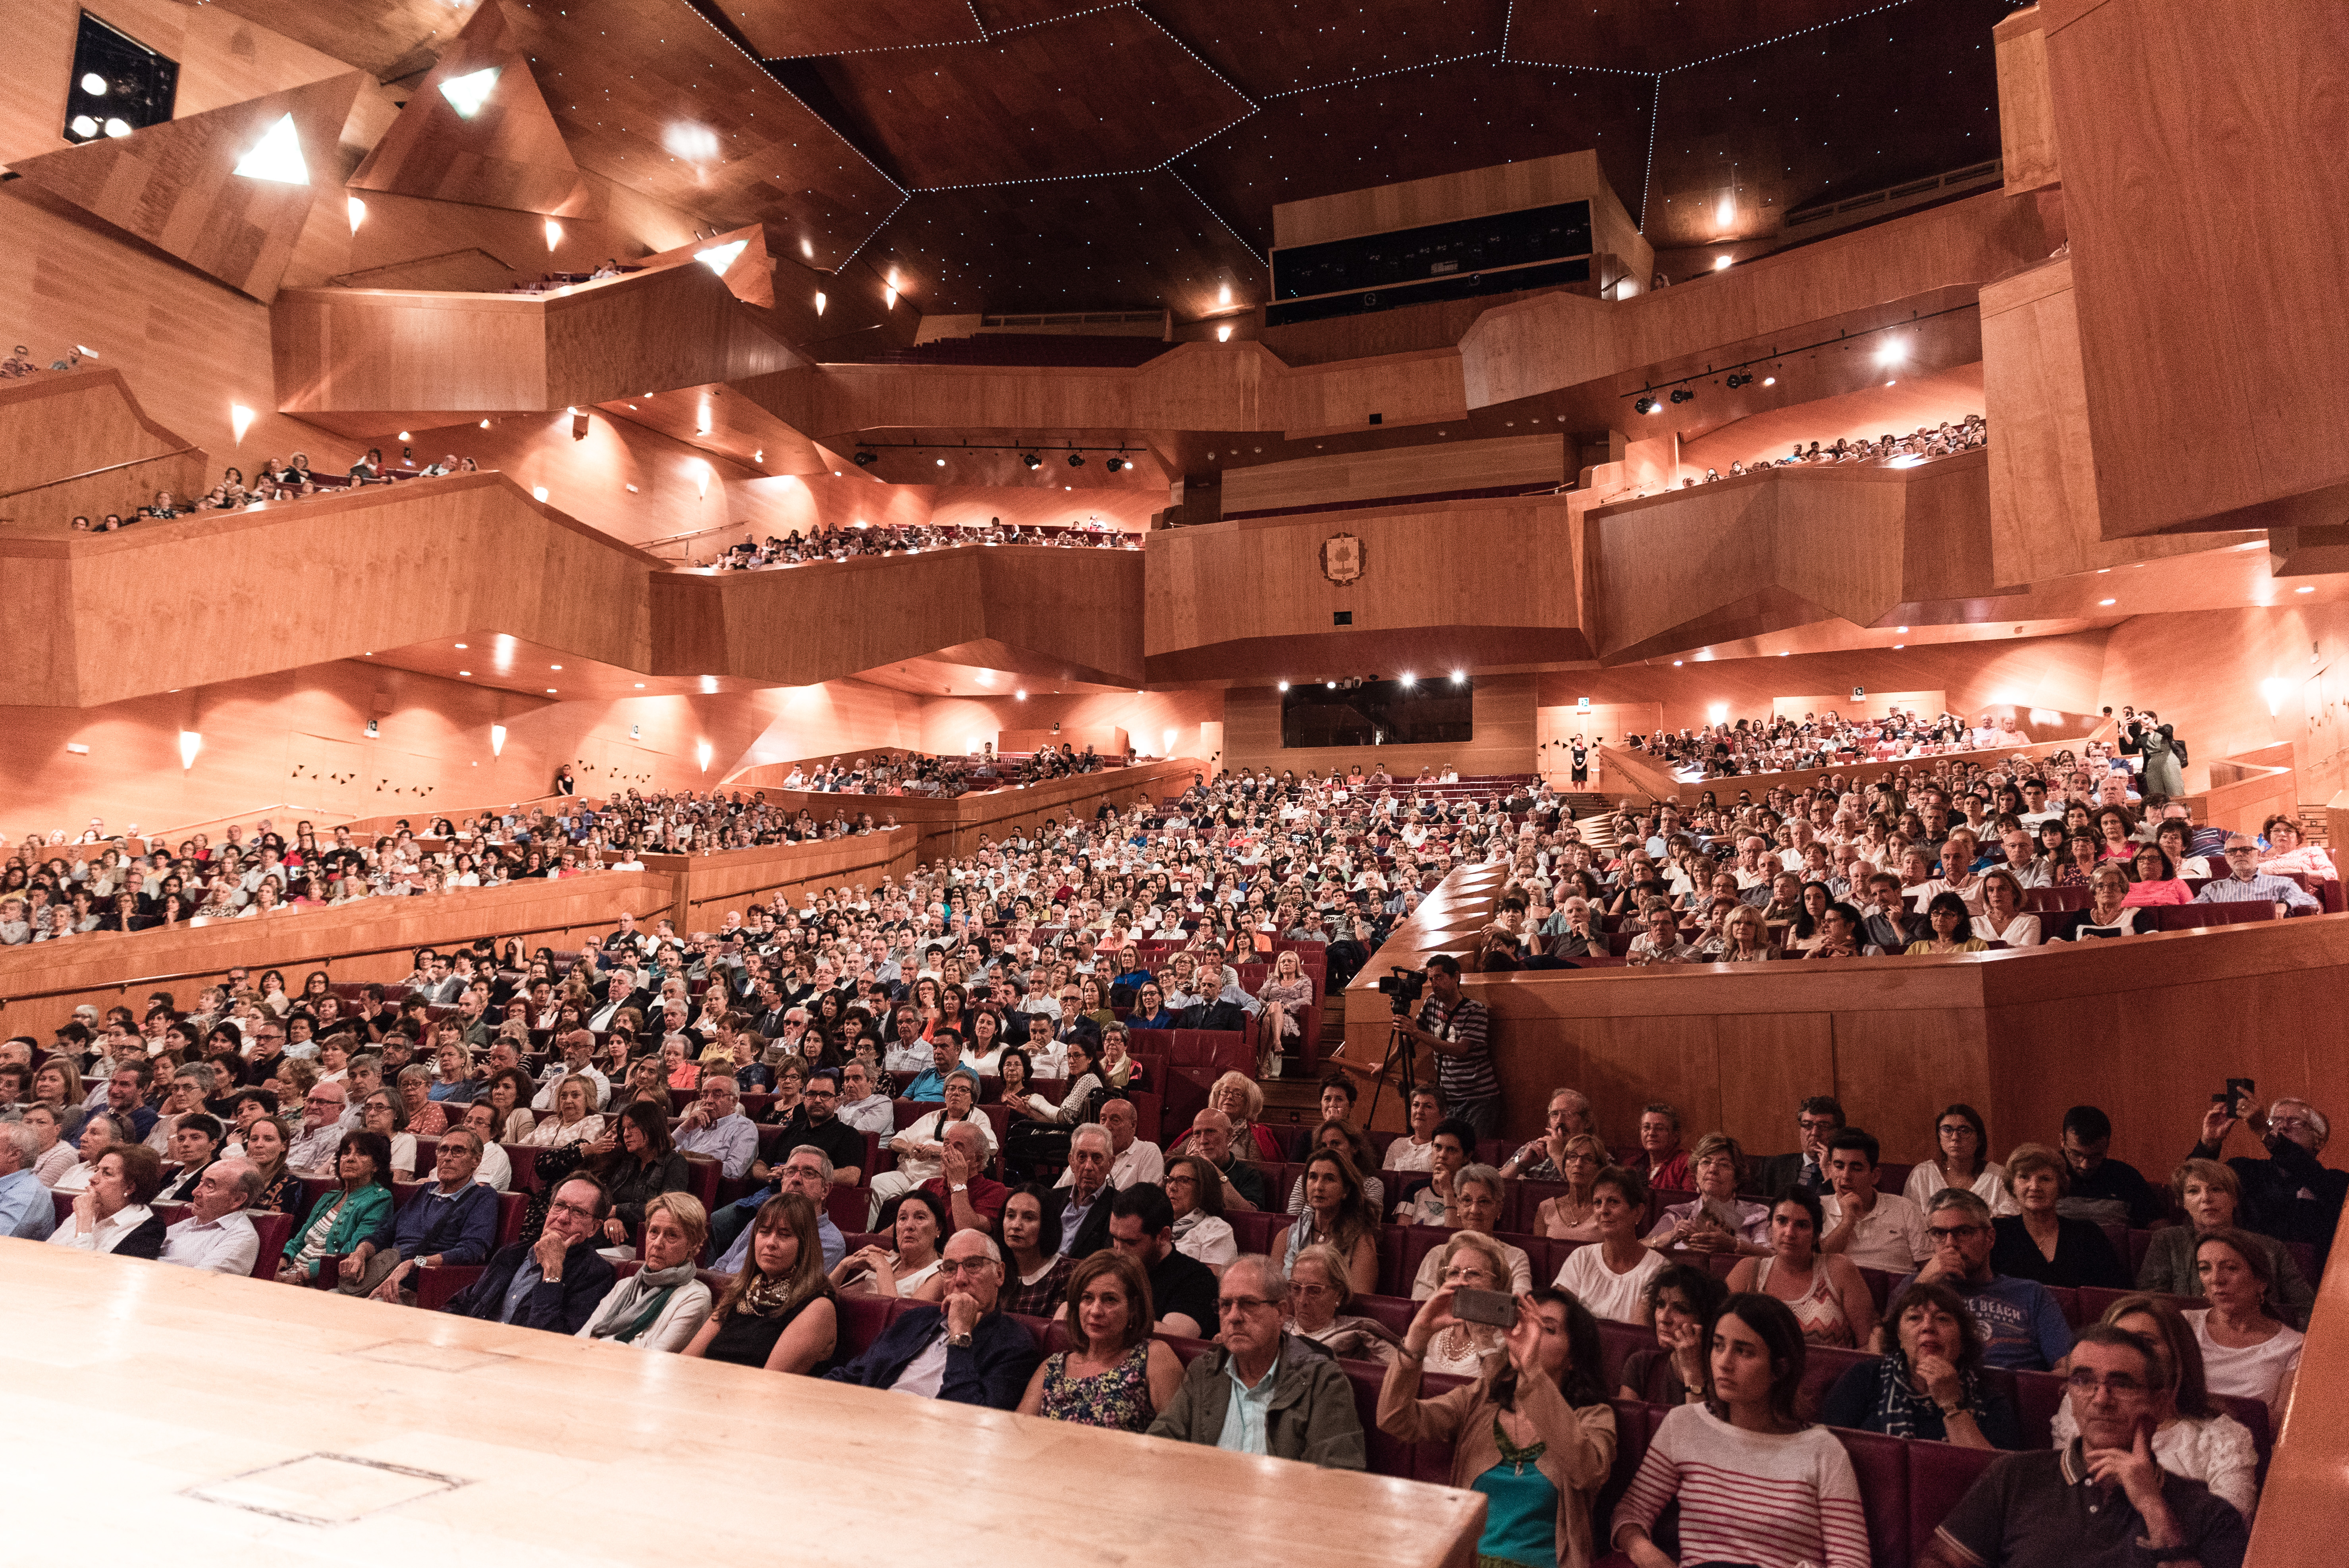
2199, 1442
1195, 1191
1961, 1161
2246, 1351
663, 1305
572, 1122
2001, 917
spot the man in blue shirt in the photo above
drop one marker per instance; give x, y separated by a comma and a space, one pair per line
930, 1083
26, 1210
453, 1221
2023, 1328
2246, 883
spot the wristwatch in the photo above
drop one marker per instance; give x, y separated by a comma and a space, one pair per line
958, 1341
959, 1187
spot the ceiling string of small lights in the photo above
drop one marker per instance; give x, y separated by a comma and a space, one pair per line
1650, 395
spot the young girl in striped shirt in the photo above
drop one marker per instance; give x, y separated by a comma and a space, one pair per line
1755, 1485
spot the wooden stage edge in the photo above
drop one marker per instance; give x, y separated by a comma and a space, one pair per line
226, 1406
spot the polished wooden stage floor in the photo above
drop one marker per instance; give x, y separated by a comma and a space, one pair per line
203, 1420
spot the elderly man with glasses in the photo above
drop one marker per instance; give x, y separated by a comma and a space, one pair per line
2290, 1195
313, 1153
1263, 1390
556, 1282
962, 1349
217, 1236
454, 1220
2246, 883
2023, 1328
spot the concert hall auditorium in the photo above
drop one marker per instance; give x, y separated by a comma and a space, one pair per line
1487, 856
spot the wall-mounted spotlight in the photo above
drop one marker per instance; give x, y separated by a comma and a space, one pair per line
1683, 395
1076, 460
1736, 379
1644, 405
866, 460
1114, 464
1031, 459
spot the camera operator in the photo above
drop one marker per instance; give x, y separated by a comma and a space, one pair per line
1457, 1030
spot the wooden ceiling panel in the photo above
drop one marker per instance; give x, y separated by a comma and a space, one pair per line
1640, 36
509, 152
650, 95
1108, 91
389, 39
1268, 49
784, 29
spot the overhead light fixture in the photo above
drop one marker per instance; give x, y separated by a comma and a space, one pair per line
1224, 294
703, 752
1892, 353
942, 462
554, 233
1076, 460
93, 84
275, 158
1769, 381
889, 298
1284, 685
1114, 464
1720, 263
718, 258
240, 420
1458, 676
2308, 590
1734, 380
357, 210
1224, 333
1031, 459
1021, 695
1683, 395
116, 126
2107, 601
83, 126
866, 460
1644, 405
818, 303
466, 94
1409, 679
485, 424
538, 492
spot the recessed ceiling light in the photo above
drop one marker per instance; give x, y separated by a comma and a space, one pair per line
2108, 601
554, 666
468, 674
2310, 590
550, 691
461, 645
640, 686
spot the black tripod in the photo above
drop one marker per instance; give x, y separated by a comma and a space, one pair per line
1402, 1059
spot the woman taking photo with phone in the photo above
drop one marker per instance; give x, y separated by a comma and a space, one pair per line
1534, 1434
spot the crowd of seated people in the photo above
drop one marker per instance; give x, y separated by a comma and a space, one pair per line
1921, 445
545, 283
1937, 859
1782, 745
272, 480
904, 773
845, 544
1923, 1300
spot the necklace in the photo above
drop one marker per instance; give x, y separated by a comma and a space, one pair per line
1515, 1457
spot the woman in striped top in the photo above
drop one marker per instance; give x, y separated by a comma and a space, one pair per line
1755, 1484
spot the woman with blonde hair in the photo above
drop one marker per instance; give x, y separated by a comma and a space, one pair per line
1319, 1296
2210, 1193
2036, 1243
1567, 1217
779, 1313
663, 1305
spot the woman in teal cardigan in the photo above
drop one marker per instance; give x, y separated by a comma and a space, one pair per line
357, 1210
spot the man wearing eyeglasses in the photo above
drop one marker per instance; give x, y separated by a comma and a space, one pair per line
454, 1220
1263, 1390
2023, 1328
313, 1153
2246, 883
2103, 1500
1818, 1119
556, 1282
2290, 1195
963, 1349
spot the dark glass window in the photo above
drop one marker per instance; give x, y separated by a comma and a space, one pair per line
119, 85
1378, 713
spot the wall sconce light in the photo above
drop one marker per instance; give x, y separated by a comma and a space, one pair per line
190, 744
240, 420
497, 740
703, 752
554, 233
2275, 690
357, 210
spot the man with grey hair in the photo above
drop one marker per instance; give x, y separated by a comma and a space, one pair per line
2290, 1195
714, 1125
1543, 1159
25, 1209
972, 1200
217, 1236
2023, 1328
921, 1148
1084, 1220
313, 1148
808, 1172
2246, 883
1263, 1390
962, 1349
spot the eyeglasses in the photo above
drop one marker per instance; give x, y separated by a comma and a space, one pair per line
1952, 1232
2119, 1385
972, 1266
1228, 1304
572, 1209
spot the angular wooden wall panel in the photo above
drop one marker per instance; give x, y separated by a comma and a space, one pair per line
175, 186
508, 153
2026, 119
308, 581
2207, 237
60, 424
1396, 472
362, 351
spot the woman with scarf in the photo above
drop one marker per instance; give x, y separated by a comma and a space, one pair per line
1929, 1386
662, 1305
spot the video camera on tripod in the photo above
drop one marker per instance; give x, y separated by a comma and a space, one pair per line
1403, 987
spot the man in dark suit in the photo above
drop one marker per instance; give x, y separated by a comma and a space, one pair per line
555, 1282
1817, 1119
963, 1350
